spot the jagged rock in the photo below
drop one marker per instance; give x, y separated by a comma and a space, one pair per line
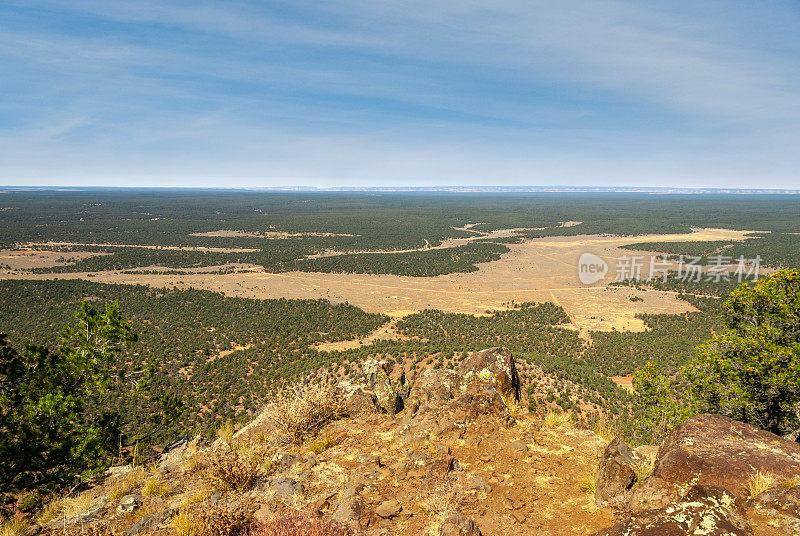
718, 451
387, 509
148, 523
705, 511
119, 470
433, 386
351, 509
286, 487
373, 385
783, 506
785, 501
439, 467
616, 474
652, 494
458, 524
128, 504
493, 365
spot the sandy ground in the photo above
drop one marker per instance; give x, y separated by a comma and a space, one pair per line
538, 270
29, 259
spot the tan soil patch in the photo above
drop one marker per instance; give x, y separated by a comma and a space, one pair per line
29, 259
538, 270
387, 331
269, 235
626, 382
172, 248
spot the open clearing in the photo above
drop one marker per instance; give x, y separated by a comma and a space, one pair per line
537, 270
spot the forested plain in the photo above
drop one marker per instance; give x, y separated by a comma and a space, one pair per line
221, 357
356, 221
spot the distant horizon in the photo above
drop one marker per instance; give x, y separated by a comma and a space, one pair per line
440, 189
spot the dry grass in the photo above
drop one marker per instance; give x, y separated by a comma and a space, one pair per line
124, 484
300, 415
323, 443
558, 419
791, 482
226, 432
589, 483
64, 508
759, 482
13, 527
513, 406
195, 496
183, 524
605, 429
191, 456
155, 487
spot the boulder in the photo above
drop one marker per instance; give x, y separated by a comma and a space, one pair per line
705, 511
717, 451
458, 524
616, 473
128, 504
286, 487
351, 508
493, 365
433, 386
387, 509
372, 390
782, 505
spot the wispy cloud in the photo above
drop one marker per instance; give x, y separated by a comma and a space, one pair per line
361, 92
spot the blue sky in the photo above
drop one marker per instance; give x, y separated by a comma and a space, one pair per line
365, 92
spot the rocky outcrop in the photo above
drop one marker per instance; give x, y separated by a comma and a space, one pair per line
371, 391
493, 365
705, 511
616, 473
700, 481
458, 524
782, 504
433, 386
717, 451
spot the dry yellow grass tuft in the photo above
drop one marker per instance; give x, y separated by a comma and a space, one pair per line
13, 527
605, 429
155, 487
557, 419
124, 484
191, 456
183, 524
513, 406
759, 483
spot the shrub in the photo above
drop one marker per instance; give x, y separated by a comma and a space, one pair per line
230, 470
301, 414
751, 371
302, 526
226, 521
